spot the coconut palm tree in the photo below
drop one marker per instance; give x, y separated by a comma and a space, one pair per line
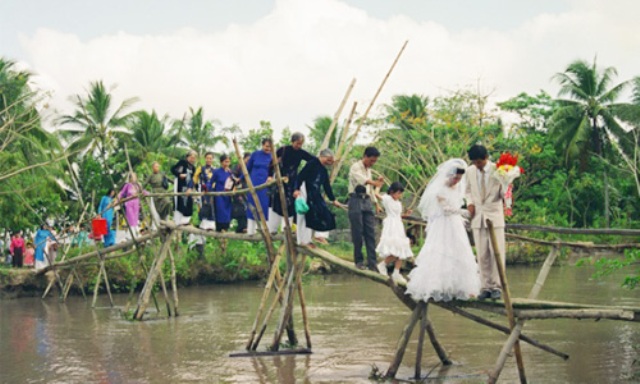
407, 111
96, 125
196, 133
586, 121
149, 135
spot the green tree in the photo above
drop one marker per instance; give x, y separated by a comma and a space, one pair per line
150, 136
95, 125
407, 111
585, 122
194, 132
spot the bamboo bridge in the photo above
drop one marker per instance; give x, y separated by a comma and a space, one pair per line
281, 289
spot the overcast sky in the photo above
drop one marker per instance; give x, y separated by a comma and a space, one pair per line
289, 61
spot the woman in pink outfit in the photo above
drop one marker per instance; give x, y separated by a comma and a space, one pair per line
132, 207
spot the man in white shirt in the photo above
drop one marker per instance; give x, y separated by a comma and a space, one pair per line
361, 213
484, 197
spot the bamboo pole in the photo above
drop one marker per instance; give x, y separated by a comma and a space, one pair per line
80, 284
423, 327
174, 283
545, 314
339, 155
143, 300
575, 244
336, 116
217, 235
104, 251
507, 304
106, 282
517, 330
575, 231
287, 308
303, 306
95, 288
402, 342
265, 295
375, 96
267, 317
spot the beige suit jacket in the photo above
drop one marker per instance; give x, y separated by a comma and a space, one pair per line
490, 206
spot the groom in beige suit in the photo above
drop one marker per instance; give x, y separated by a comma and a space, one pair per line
484, 196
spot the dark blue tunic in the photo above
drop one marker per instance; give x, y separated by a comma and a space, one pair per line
223, 203
258, 168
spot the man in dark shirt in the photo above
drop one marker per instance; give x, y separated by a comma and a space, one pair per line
289, 158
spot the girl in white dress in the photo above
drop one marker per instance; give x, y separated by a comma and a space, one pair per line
446, 266
394, 244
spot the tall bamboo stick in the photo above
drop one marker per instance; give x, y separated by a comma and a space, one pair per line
340, 156
174, 283
375, 96
143, 300
336, 116
507, 303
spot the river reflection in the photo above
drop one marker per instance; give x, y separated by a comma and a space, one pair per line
355, 324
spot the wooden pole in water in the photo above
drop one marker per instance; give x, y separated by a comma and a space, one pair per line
402, 342
143, 300
507, 303
517, 330
265, 295
423, 327
174, 283
303, 305
292, 257
334, 122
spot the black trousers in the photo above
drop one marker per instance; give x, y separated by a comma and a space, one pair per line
363, 227
17, 258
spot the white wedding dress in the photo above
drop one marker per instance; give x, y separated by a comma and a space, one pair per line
446, 266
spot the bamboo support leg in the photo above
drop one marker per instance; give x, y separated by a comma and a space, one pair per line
517, 330
96, 287
174, 284
80, 283
402, 343
303, 305
155, 270
106, 282
66, 287
265, 295
442, 354
167, 302
276, 299
423, 328
286, 308
507, 304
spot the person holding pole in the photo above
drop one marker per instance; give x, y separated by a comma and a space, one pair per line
484, 197
361, 212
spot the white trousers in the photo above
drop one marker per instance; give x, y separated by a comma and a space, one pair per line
252, 227
275, 221
303, 233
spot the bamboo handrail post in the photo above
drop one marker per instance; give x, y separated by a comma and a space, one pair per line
402, 342
423, 328
507, 301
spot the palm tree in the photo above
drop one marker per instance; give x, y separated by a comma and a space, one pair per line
586, 122
319, 130
95, 124
407, 111
196, 133
148, 135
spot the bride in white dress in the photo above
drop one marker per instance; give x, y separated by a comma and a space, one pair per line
446, 266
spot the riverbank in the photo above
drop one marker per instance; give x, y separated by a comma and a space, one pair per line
241, 261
